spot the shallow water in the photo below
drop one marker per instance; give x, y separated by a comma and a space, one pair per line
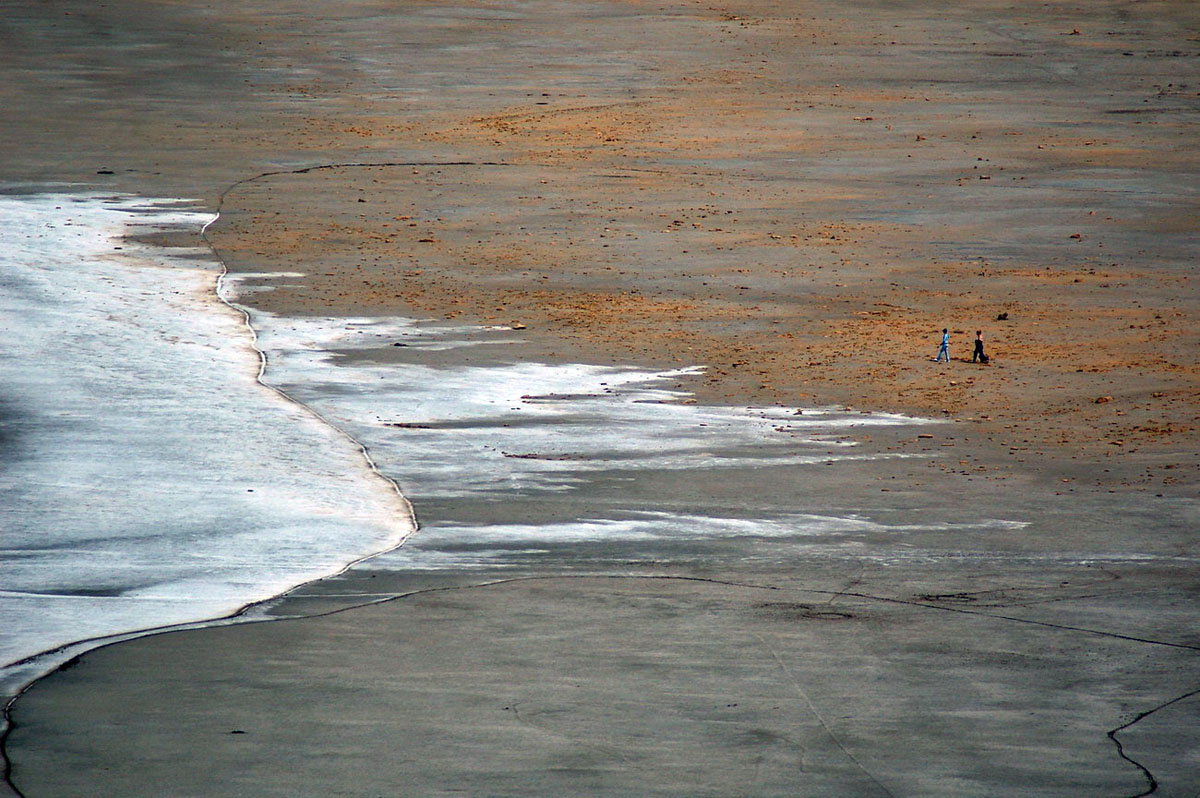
146, 477
532, 464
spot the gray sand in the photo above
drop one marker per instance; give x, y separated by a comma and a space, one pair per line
930, 654
629, 686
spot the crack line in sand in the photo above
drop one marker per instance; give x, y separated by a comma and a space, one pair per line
1015, 619
1153, 782
514, 708
787, 672
1112, 735
233, 619
832, 593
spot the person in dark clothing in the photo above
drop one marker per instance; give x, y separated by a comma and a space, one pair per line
978, 354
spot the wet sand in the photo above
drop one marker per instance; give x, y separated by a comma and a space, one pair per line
799, 202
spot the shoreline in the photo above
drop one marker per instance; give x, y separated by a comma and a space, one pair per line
117, 277
219, 291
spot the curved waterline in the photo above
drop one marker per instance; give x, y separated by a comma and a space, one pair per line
403, 525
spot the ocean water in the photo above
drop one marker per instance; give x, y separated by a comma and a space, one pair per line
146, 477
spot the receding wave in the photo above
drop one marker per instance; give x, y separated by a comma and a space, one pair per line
149, 478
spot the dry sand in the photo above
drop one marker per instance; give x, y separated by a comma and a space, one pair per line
801, 203
797, 196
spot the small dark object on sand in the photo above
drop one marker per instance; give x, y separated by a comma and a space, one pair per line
1002, 317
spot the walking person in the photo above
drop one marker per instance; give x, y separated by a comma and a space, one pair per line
945, 348
978, 355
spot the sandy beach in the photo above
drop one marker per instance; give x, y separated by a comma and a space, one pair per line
796, 198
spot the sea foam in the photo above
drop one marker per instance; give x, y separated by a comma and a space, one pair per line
521, 436
146, 477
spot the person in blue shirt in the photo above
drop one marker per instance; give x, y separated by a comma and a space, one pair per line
945, 348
